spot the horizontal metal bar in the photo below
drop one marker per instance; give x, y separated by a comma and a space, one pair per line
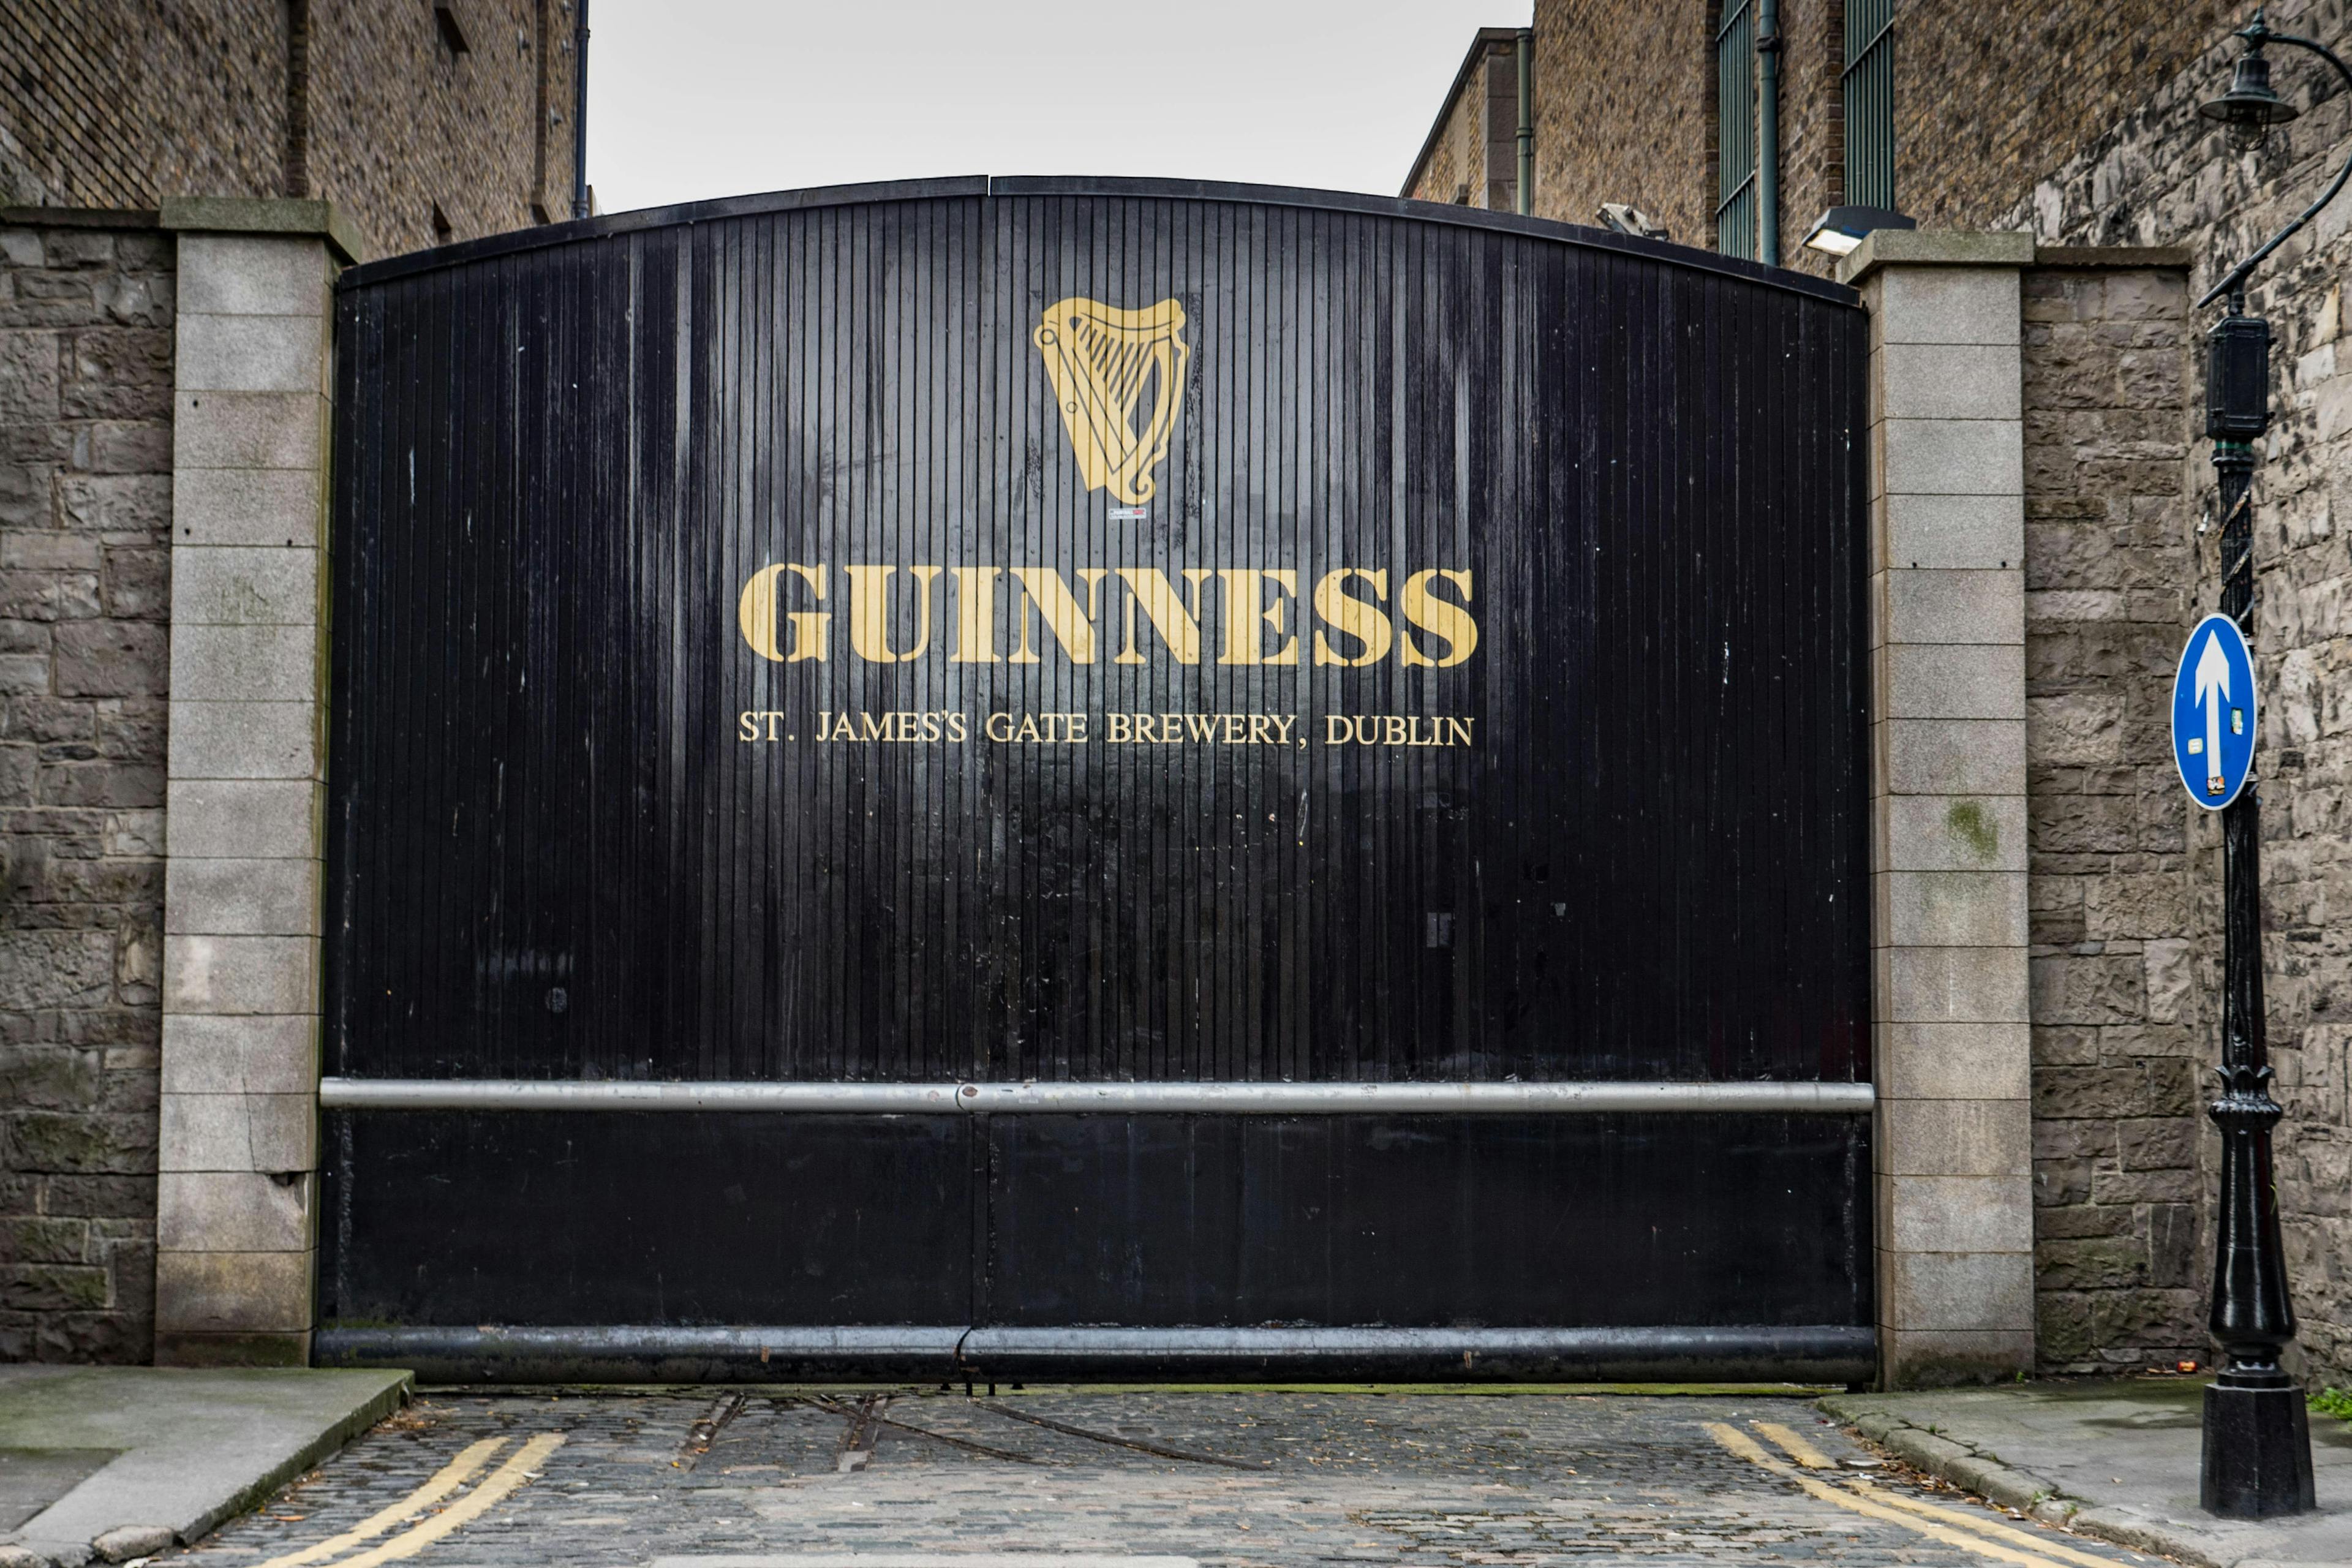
1099, 1099
1827, 1353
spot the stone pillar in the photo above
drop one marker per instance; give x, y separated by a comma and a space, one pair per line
1952, 1053
236, 1222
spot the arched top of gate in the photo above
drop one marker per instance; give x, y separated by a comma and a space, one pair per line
1204, 191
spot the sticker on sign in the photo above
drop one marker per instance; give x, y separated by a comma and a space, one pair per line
2213, 713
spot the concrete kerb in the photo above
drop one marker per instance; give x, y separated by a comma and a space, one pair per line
1956, 1462
192, 1448
1986, 1476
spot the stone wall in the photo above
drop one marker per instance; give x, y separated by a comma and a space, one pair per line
2121, 1255
86, 352
2164, 176
124, 103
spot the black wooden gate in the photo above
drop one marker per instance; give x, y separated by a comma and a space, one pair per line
983, 777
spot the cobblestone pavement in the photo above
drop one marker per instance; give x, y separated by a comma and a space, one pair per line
802, 1476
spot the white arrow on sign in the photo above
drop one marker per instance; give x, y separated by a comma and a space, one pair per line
2211, 690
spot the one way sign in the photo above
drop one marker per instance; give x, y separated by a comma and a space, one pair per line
2213, 713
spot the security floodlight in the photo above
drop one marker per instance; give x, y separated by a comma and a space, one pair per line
1842, 230
1630, 221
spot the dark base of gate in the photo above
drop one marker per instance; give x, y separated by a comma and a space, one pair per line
446, 1220
1812, 1353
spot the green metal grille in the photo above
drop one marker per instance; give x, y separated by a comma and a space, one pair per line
1870, 103
1735, 117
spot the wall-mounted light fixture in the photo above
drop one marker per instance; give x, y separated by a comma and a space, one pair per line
1840, 230
1630, 221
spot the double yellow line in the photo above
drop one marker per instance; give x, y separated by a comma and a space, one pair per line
1970, 1532
519, 1467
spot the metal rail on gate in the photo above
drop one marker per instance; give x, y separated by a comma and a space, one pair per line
1113, 1098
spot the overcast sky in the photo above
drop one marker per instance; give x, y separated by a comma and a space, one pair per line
692, 98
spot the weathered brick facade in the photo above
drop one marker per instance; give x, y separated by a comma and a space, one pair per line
86, 352
1624, 112
1988, 99
367, 103
1472, 157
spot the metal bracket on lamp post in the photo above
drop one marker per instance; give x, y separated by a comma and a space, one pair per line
2257, 1438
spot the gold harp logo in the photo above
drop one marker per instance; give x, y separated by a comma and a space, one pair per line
1100, 359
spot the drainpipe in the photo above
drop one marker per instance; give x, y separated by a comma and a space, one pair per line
1768, 133
1523, 201
580, 109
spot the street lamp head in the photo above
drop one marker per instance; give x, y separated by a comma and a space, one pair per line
2251, 107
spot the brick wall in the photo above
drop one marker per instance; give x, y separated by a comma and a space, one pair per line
121, 103
85, 350
116, 103
1473, 157
1812, 123
2121, 1256
2161, 176
399, 123
1454, 165
1988, 98
1624, 96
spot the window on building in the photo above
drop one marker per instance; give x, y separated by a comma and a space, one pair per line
1870, 103
1735, 124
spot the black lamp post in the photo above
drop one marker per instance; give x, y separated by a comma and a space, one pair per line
2257, 1436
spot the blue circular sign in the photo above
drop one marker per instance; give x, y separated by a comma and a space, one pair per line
2213, 713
